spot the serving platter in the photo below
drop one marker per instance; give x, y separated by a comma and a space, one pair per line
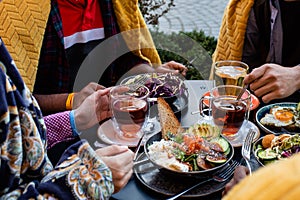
266, 109
152, 178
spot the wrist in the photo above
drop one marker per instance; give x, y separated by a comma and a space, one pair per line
72, 116
297, 77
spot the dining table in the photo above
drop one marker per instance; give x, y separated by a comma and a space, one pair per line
137, 189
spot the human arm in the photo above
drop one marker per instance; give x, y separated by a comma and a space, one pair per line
120, 161
272, 81
94, 108
169, 67
53, 103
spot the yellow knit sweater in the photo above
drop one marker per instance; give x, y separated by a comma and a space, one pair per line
276, 181
22, 27
134, 30
23, 23
232, 31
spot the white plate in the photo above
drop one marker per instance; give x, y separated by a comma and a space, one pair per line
108, 135
266, 109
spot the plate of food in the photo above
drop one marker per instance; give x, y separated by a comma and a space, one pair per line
279, 118
273, 148
196, 151
167, 85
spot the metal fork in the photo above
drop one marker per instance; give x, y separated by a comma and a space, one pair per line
220, 176
246, 148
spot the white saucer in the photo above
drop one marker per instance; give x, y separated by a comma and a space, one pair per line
241, 135
107, 134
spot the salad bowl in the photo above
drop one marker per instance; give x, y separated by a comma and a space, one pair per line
167, 85
273, 148
197, 174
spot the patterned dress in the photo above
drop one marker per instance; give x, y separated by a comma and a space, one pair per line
25, 170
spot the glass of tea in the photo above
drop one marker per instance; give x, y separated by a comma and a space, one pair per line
226, 111
230, 72
130, 110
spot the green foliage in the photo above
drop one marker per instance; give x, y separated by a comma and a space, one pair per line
193, 49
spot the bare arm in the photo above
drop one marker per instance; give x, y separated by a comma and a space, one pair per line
169, 67
52, 103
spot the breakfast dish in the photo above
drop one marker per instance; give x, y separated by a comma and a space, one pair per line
164, 184
192, 151
279, 118
272, 148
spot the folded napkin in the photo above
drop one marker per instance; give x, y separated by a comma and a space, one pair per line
22, 26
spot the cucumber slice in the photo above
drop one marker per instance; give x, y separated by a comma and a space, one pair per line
266, 162
266, 155
227, 152
222, 142
298, 106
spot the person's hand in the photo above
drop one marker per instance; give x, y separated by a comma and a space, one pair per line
272, 81
173, 67
93, 109
240, 173
120, 161
79, 97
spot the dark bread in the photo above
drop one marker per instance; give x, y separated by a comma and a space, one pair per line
168, 121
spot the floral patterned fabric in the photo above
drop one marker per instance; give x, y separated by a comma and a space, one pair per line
25, 169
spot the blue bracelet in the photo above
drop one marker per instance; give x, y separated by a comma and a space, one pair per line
73, 124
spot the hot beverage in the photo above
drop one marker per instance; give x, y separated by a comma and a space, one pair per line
130, 115
225, 111
228, 114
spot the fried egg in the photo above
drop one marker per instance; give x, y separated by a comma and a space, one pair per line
279, 116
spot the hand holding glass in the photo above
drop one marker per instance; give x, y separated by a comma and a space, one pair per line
227, 112
130, 109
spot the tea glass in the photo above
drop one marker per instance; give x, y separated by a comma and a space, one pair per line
225, 110
130, 110
230, 72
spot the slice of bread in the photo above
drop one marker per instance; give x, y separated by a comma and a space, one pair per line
168, 121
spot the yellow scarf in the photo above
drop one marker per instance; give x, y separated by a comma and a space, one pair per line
23, 23
232, 32
134, 30
22, 27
